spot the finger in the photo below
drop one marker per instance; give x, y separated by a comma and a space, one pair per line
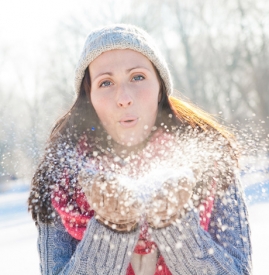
110, 199
186, 183
117, 217
126, 201
183, 198
96, 199
97, 202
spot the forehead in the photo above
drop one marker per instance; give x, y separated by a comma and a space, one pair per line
120, 58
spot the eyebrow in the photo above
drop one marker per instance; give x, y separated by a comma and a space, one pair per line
136, 67
127, 71
103, 73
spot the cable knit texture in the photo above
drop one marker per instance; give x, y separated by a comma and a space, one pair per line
214, 239
186, 247
102, 251
121, 36
224, 249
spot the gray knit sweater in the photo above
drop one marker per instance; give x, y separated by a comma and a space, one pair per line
186, 247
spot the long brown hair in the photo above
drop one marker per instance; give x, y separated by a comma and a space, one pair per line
82, 119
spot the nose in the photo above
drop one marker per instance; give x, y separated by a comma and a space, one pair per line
124, 98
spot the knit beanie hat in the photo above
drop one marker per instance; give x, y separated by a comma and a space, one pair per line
121, 36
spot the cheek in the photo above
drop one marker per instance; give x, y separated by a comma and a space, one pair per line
100, 105
150, 101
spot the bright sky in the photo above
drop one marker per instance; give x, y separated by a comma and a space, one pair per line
30, 20
25, 27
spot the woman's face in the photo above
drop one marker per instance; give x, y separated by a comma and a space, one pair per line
125, 92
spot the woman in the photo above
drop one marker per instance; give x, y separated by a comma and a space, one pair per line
135, 181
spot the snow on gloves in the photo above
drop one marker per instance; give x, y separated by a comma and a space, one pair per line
120, 202
168, 203
115, 206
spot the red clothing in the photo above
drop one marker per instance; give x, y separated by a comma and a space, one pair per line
76, 215
75, 220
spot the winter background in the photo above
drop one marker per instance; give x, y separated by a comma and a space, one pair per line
219, 57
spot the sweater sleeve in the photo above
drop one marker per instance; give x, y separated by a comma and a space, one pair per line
224, 249
101, 251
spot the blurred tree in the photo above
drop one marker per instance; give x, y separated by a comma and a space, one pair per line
217, 52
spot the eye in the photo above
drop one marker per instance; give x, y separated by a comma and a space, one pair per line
138, 77
105, 83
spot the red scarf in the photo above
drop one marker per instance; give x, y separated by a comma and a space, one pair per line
76, 215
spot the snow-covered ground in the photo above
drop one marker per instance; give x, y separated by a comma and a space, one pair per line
18, 249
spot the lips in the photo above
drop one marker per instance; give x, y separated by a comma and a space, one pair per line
128, 121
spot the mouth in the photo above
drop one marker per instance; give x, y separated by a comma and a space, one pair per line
128, 122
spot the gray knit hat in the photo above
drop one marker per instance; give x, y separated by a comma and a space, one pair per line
121, 36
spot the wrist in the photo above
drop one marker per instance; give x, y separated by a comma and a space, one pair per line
117, 227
